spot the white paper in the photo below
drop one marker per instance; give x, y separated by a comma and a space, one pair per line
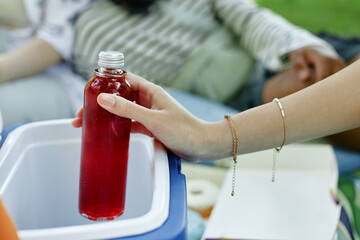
298, 205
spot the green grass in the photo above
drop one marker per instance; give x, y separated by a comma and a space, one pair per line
340, 17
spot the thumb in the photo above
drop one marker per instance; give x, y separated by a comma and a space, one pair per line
123, 107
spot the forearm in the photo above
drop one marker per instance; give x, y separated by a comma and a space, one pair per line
325, 108
32, 58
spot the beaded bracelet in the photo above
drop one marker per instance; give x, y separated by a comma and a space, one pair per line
277, 149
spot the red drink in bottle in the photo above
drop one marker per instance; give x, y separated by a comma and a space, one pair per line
105, 143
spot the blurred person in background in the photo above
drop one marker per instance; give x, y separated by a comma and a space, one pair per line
35, 36
230, 51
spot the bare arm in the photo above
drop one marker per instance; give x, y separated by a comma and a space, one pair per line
34, 57
327, 107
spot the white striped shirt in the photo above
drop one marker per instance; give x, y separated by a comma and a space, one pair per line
158, 44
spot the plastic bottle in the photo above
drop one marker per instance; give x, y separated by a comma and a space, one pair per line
105, 143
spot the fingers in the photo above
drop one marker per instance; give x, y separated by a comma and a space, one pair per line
77, 122
300, 65
137, 127
143, 90
138, 83
325, 67
325, 63
322, 65
124, 108
307, 61
79, 113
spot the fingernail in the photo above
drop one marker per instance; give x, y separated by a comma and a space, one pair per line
107, 100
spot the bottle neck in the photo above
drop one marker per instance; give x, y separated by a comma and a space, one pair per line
109, 72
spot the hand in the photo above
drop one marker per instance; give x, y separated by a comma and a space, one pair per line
308, 66
284, 84
314, 63
158, 115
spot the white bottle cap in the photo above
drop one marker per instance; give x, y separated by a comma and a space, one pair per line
111, 59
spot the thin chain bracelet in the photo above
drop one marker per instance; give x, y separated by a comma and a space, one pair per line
277, 149
235, 143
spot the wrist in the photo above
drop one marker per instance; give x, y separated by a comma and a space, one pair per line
217, 140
